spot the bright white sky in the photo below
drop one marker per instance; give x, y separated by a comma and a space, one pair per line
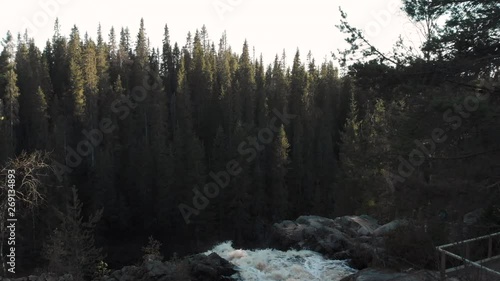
269, 25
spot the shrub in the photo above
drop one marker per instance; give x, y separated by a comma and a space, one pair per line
411, 246
491, 215
152, 250
101, 270
70, 248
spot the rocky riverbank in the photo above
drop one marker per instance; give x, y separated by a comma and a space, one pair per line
193, 268
359, 239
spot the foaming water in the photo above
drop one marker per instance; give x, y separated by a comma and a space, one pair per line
274, 265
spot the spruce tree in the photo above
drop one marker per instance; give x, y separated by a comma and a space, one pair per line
76, 99
245, 79
297, 105
71, 247
278, 169
9, 96
351, 157
10, 118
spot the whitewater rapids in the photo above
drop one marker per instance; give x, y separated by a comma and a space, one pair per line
274, 265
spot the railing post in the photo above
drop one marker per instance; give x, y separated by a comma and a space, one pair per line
467, 251
443, 265
490, 247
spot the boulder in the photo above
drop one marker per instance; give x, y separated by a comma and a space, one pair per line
348, 237
156, 269
210, 268
42, 277
357, 225
389, 227
195, 268
127, 273
359, 239
199, 267
47, 277
374, 274
310, 232
473, 217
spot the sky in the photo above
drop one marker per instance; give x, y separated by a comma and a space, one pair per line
270, 26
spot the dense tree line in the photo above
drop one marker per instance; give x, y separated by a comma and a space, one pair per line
140, 131
422, 132
159, 122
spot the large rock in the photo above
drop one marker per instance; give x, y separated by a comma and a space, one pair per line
156, 269
310, 232
199, 268
473, 217
194, 268
348, 237
389, 227
357, 225
127, 273
43, 277
210, 268
373, 274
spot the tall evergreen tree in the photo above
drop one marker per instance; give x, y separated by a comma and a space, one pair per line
278, 167
245, 79
76, 100
297, 104
10, 116
33, 107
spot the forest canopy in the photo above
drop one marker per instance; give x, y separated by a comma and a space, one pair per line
140, 131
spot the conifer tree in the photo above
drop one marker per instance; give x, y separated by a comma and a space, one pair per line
200, 84
9, 96
32, 102
91, 83
297, 104
10, 117
103, 57
351, 157
189, 152
261, 108
218, 159
241, 187
71, 247
76, 100
325, 163
168, 72
277, 86
278, 167
56, 53
245, 79
260, 195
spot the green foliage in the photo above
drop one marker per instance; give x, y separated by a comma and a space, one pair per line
411, 246
491, 215
102, 270
278, 165
71, 247
152, 250
470, 31
348, 133
76, 99
10, 117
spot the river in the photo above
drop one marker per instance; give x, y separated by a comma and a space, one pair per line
275, 265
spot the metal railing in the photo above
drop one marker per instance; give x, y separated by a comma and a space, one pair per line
466, 260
